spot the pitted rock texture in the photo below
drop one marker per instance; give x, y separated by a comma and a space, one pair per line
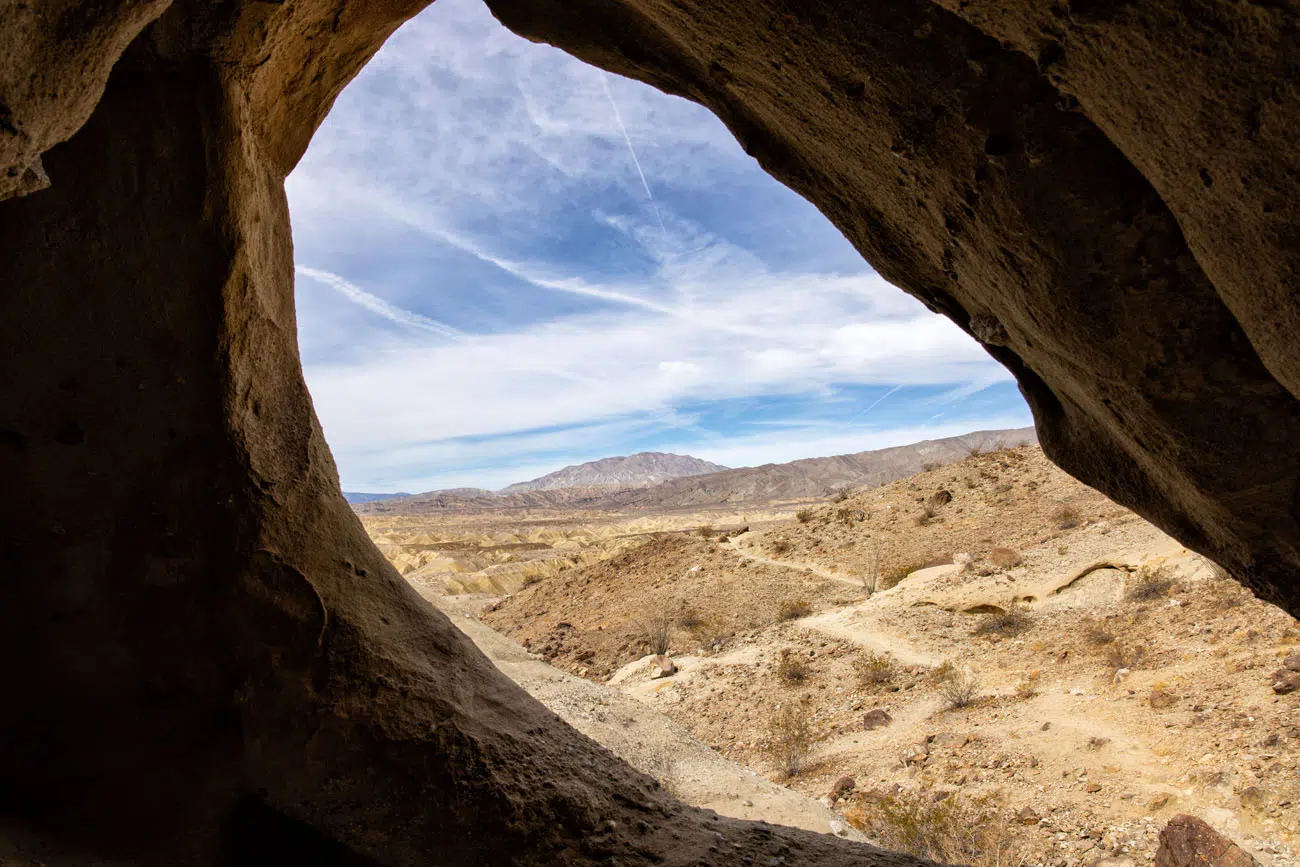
208, 661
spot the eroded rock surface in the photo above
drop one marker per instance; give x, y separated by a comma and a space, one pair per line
208, 660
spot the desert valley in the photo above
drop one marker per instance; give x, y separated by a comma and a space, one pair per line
951, 648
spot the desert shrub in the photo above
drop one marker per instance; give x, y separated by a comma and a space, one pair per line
959, 688
955, 830
706, 531
1026, 689
793, 609
1098, 634
846, 515
1150, 583
791, 667
942, 671
1066, 517
1121, 654
689, 618
779, 547
930, 465
841, 495
975, 450
1004, 558
803, 516
875, 669
656, 633
790, 739
1008, 624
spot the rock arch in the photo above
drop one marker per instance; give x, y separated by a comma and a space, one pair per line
201, 649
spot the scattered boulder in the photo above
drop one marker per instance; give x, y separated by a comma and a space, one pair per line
1189, 842
876, 719
1292, 662
1285, 681
662, 666
842, 787
949, 740
1159, 802
915, 754
1027, 816
1092, 788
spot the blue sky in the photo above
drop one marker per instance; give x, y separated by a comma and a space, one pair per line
509, 261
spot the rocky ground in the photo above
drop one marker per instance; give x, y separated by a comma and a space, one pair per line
1039, 677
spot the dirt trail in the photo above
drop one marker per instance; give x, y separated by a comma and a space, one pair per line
648, 740
821, 572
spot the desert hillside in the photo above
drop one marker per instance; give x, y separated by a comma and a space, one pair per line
985, 662
638, 470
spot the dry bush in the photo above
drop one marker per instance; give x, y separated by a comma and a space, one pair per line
876, 669
930, 465
1008, 624
1150, 583
955, 830
942, 671
1066, 517
779, 547
928, 514
1026, 689
1120, 654
689, 618
790, 738
841, 495
1004, 558
959, 688
793, 609
791, 667
1098, 634
656, 633
706, 531
803, 516
975, 450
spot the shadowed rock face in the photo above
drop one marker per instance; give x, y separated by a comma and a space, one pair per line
206, 659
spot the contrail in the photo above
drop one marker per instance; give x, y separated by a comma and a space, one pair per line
604, 83
379, 306
877, 403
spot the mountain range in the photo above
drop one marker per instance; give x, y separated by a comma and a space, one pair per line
655, 480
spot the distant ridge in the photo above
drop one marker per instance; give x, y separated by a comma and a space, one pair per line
354, 497
809, 478
637, 471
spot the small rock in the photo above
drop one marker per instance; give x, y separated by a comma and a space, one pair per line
1256, 797
875, 719
842, 787
1285, 681
948, 740
915, 754
662, 666
1292, 662
1027, 816
1189, 842
1045, 727
1159, 802
1160, 699
1096, 743
1092, 788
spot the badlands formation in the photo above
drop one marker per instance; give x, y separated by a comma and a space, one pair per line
1116, 680
209, 662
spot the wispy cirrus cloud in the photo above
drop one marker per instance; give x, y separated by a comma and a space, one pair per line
532, 263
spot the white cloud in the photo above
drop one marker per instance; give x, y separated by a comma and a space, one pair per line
628, 213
